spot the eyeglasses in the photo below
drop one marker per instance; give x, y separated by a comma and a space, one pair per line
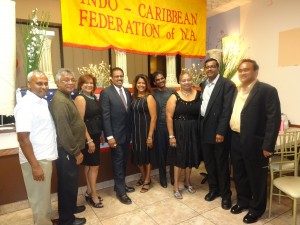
68, 81
118, 76
210, 67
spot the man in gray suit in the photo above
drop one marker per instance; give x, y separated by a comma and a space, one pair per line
217, 94
254, 122
115, 102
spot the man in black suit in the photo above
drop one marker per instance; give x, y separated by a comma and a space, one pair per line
216, 103
254, 122
115, 101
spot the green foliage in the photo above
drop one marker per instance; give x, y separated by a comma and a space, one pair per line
230, 62
34, 37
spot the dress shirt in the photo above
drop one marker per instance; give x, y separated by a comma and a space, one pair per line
118, 91
242, 95
32, 115
209, 87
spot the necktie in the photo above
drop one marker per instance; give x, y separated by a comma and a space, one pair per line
123, 98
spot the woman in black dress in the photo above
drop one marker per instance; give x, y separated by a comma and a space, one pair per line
182, 114
143, 123
90, 111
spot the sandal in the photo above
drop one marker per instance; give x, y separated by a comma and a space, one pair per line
145, 187
140, 182
87, 197
190, 188
96, 205
177, 194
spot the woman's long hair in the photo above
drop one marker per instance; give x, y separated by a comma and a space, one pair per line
135, 91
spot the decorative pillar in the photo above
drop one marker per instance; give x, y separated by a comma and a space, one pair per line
7, 56
121, 61
171, 72
46, 59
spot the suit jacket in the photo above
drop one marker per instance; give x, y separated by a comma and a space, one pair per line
116, 120
260, 120
218, 111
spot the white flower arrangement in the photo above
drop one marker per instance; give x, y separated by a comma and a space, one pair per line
34, 37
101, 72
197, 73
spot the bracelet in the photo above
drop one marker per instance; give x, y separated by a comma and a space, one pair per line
149, 138
171, 136
90, 141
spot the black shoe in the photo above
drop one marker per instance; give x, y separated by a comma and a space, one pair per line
251, 218
237, 209
79, 221
124, 199
163, 183
79, 209
211, 196
129, 189
226, 204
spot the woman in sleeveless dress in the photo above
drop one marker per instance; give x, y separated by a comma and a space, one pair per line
182, 114
90, 111
143, 125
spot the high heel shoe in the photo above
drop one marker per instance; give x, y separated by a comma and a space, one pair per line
140, 182
96, 205
145, 187
87, 197
190, 188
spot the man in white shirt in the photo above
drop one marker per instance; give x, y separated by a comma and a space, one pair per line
37, 138
217, 95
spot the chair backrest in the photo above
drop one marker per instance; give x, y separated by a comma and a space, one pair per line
286, 156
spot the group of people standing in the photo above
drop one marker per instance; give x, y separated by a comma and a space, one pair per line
221, 125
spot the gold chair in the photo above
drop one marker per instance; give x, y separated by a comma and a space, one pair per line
284, 169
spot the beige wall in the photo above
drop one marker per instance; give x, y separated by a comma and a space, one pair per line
261, 22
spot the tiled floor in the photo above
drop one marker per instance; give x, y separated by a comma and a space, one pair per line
158, 206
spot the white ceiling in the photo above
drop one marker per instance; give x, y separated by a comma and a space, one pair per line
218, 6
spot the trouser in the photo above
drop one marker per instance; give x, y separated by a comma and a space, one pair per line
162, 146
250, 177
216, 159
38, 192
67, 186
119, 161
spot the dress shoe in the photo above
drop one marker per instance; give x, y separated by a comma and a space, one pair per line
226, 203
79, 221
211, 196
163, 183
124, 199
129, 189
237, 209
79, 209
250, 218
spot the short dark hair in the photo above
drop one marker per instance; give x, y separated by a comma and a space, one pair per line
154, 75
254, 63
212, 59
83, 78
116, 69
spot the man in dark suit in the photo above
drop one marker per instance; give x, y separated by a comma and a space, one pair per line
115, 101
254, 122
216, 103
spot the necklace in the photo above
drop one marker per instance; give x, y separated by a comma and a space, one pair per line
88, 96
186, 93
